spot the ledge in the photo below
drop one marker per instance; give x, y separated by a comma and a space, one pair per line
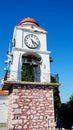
7, 84
26, 50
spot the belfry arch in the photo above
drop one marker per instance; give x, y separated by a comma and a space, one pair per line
32, 62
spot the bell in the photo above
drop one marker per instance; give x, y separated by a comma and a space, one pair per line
34, 64
26, 61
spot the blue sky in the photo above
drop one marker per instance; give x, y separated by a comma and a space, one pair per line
56, 16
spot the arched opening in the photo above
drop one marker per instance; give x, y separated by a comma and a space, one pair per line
31, 67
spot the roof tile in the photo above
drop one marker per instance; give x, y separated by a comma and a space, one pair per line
4, 93
25, 20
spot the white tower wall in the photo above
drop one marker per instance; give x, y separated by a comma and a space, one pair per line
42, 72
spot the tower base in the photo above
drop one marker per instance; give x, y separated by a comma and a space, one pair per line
31, 107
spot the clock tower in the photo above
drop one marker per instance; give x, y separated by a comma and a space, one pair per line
30, 102
30, 48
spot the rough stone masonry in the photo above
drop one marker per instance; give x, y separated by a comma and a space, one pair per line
31, 107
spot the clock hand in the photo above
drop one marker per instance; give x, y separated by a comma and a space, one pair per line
33, 42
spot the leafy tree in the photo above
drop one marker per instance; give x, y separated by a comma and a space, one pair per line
57, 101
67, 113
71, 98
27, 73
70, 108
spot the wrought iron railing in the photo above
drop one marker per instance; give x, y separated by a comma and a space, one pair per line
54, 78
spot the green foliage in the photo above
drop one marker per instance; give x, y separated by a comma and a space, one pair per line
57, 101
53, 79
67, 112
71, 98
27, 73
70, 109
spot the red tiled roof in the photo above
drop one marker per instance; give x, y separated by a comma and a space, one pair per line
3, 93
28, 20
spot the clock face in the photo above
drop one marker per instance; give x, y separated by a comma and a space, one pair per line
31, 41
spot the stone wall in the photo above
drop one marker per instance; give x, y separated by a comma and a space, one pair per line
31, 108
